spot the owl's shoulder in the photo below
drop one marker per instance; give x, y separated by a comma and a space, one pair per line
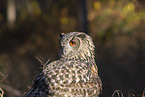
59, 63
64, 65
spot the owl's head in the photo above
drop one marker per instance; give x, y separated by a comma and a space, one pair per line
76, 45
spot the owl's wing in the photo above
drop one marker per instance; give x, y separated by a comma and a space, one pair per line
98, 84
90, 89
39, 88
65, 79
73, 79
96, 79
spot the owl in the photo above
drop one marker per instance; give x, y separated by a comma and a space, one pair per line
75, 74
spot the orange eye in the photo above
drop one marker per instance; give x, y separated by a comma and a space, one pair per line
72, 43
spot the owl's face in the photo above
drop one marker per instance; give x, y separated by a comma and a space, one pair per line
76, 45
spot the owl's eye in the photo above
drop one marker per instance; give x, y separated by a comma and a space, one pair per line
72, 43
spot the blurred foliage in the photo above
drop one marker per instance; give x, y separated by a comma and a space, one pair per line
116, 26
118, 17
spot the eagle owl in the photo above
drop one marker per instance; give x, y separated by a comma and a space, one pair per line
75, 74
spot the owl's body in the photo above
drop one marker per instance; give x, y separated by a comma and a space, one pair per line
75, 74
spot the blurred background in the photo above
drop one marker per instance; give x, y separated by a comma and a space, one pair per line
31, 28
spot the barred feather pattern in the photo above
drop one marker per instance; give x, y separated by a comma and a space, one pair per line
70, 76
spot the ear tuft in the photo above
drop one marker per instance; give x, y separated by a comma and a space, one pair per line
61, 35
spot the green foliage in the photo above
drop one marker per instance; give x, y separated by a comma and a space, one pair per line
116, 17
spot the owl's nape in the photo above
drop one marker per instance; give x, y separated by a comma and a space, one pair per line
75, 74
